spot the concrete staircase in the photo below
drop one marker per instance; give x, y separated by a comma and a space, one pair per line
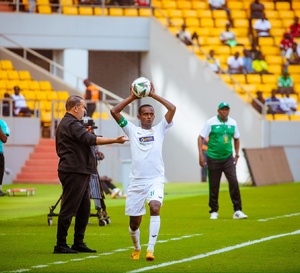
6, 7
41, 167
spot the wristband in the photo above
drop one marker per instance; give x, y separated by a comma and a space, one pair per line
122, 122
237, 156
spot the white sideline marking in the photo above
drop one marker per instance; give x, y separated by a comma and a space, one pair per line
278, 217
97, 255
218, 251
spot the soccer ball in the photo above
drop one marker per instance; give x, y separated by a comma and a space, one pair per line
141, 87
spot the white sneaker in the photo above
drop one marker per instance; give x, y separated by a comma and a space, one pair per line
115, 192
239, 215
214, 215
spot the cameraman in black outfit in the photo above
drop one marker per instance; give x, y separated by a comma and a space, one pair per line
76, 164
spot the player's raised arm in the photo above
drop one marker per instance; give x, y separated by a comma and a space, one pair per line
170, 106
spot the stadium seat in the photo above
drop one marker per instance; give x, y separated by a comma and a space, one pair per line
241, 23
253, 78
276, 22
220, 22
226, 78
275, 68
271, 14
173, 13
192, 22
100, 11
184, 5
40, 95
239, 78
235, 5
240, 14
12, 75
207, 22
204, 13
68, 10
24, 85
217, 14
266, 41
51, 95
269, 5
34, 85
189, 13
282, 6
270, 79
274, 59
169, 4
286, 14
199, 5
24, 75
294, 69
62, 95
131, 12
45, 86
44, 9
296, 5
3, 75
145, 12
6, 65
87, 11
115, 11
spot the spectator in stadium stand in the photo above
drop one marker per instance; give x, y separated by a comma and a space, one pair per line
259, 65
256, 9
228, 37
262, 27
254, 51
273, 104
247, 62
288, 104
286, 43
20, 107
143, 3
213, 63
185, 36
292, 55
255, 102
92, 95
220, 5
235, 64
295, 28
285, 83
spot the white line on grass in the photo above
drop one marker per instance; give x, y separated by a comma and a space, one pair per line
218, 251
96, 255
278, 217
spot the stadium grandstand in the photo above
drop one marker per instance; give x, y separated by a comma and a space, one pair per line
48, 48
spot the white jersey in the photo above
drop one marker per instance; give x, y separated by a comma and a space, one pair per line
146, 151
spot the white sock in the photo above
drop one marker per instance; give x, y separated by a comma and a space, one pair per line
153, 231
135, 237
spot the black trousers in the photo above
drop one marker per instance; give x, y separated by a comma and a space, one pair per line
215, 170
75, 202
90, 109
2, 167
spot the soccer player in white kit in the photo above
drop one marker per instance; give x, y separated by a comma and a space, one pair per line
147, 168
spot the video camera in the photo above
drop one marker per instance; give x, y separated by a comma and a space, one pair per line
88, 122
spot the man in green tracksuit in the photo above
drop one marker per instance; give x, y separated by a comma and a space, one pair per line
221, 130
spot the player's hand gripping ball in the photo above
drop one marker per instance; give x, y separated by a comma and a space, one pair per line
141, 87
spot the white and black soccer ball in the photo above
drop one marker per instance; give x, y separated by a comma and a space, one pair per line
141, 87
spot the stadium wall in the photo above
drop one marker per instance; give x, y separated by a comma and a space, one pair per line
183, 79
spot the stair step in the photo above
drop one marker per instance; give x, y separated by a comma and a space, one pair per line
42, 156
36, 181
37, 175
45, 149
40, 168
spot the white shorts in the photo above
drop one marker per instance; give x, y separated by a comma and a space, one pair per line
138, 194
